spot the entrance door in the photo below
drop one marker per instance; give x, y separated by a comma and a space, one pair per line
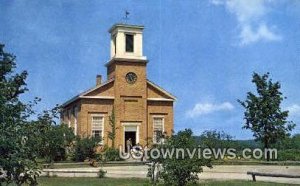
131, 130
132, 136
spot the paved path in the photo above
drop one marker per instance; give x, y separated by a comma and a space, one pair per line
225, 172
220, 172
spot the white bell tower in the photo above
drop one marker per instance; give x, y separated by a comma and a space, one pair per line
127, 42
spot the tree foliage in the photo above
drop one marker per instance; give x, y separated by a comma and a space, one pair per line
85, 148
112, 124
50, 140
111, 154
17, 161
178, 170
263, 114
215, 139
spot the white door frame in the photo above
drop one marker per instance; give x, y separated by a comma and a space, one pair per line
136, 128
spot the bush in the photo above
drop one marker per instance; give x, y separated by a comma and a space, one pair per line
47, 139
181, 170
85, 149
61, 155
101, 173
111, 154
289, 155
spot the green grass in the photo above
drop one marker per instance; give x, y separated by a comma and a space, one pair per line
55, 181
241, 183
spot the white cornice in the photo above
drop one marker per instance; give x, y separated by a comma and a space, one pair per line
162, 90
134, 59
86, 92
159, 99
97, 97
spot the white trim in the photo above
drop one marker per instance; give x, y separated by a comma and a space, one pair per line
141, 59
122, 26
162, 90
159, 99
86, 92
102, 130
97, 97
75, 120
163, 125
98, 86
137, 138
131, 123
160, 116
69, 113
137, 134
99, 115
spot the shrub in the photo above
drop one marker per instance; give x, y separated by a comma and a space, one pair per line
289, 155
181, 170
85, 149
61, 155
101, 173
111, 154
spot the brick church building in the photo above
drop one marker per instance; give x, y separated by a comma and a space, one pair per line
142, 109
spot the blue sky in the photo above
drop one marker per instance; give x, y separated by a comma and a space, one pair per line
204, 52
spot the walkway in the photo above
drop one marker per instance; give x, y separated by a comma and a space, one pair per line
219, 172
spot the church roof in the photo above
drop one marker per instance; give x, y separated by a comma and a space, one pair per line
161, 89
84, 94
125, 26
81, 95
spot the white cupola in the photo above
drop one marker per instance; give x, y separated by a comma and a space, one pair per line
127, 42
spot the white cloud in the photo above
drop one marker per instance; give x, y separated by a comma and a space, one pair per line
249, 14
248, 35
207, 108
247, 10
294, 110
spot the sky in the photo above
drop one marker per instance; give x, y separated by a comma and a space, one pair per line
203, 52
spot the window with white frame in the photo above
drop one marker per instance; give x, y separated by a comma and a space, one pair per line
75, 119
69, 118
97, 126
158, 129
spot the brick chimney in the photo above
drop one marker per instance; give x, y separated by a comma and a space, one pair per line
98, 80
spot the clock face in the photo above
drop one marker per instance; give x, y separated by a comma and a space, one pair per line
131, 77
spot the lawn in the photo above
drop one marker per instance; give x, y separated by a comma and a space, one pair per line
54, 181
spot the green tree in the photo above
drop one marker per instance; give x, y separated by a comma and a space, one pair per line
112, 124
182, 169
215, 139
263, 114
50, 140
289, 148
85, 148
17, 161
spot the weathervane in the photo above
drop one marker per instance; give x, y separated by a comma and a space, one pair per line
126, 18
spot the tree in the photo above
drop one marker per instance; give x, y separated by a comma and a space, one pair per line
215, 139
17, 161
85, 148
292, 142
48, 139
182, 169
263, 115
112, 124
